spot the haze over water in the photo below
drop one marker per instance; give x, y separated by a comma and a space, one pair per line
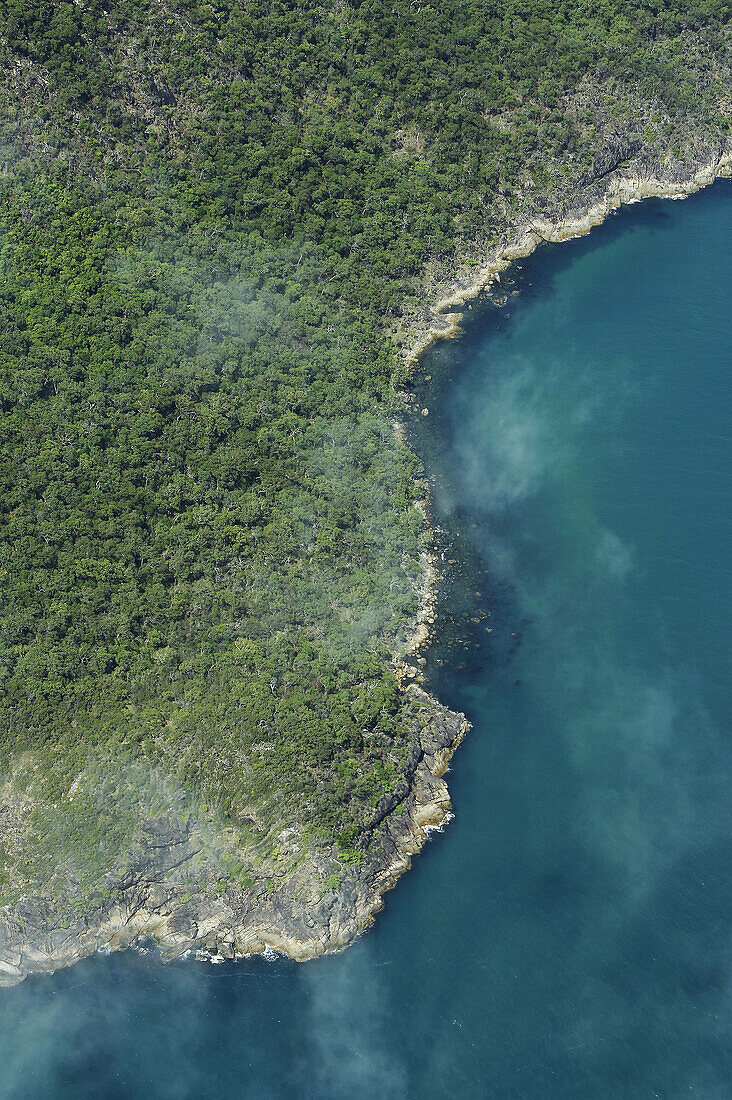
568, 935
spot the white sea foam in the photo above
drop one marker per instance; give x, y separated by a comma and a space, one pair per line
429, 829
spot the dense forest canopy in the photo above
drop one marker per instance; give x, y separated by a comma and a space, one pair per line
209, 215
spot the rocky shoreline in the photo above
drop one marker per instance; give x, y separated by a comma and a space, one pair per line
587, 208
301, 920
317, 911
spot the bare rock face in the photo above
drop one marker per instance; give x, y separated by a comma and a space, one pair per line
312, 912
610, 156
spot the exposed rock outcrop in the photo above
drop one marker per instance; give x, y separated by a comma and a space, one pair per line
307, 916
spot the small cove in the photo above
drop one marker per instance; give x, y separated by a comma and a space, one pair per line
568, 934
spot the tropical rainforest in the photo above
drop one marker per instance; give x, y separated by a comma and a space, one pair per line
215, 221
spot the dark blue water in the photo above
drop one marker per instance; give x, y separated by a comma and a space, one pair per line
568, 936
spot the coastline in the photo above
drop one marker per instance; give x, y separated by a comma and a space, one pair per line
521, 241
291, 922
303, 920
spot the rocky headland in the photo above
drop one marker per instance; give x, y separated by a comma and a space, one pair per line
314, 912
322, 904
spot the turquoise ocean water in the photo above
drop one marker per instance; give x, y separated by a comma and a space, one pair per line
568, 935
